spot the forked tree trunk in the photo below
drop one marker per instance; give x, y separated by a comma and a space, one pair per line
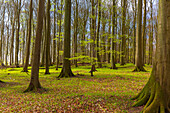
34, 83
66, 70
156, 93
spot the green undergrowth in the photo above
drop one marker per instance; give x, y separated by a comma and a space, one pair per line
108, 91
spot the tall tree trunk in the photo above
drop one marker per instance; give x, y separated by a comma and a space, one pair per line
25, 69
113, 66
103, 37
97, 35
138, 62
54, 35
66, 70
2, 34
59, 36
17, 34
134, 32
93, 34
44, 42
122, 62
109, 39
156, 93
12, 41
34, 83
75, 34
48, 39
144, 34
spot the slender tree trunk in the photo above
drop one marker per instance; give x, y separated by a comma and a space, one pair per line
103, 37
25, 69
144, 34
109, 39
138, 62
58, 40
66, 70
12, 41
2, 34
134, 32
75, 37
48, 39
97, 35
122, 62
54, 35
34, 83
93, 34
113, 66
17, 35
44, 42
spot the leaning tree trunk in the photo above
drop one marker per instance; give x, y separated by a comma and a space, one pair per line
34, 83
156, 93
138, 63
66, 70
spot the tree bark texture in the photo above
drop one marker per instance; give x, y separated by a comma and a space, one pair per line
156, 93
34, 83
66, 70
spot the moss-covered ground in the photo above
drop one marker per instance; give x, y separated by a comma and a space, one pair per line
108, 91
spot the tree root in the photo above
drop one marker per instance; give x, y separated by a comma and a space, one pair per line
139, 69
35, 89
66, 74
151, 96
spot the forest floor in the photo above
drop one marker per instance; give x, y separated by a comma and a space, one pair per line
108, 91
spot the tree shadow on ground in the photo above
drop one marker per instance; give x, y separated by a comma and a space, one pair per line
9, 84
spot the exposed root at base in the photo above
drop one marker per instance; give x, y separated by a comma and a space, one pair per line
151, 97
34, 89
139, 69
66, 74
